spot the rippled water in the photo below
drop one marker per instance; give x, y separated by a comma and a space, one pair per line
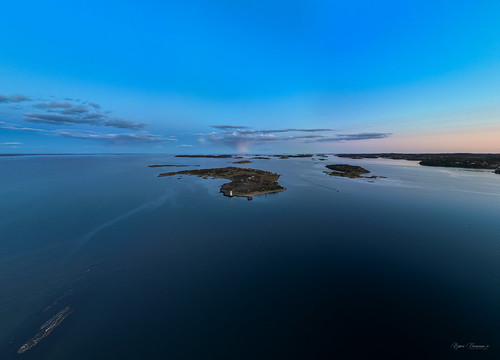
167, 268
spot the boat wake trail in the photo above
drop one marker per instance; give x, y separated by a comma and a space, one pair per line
309, 180
150, 205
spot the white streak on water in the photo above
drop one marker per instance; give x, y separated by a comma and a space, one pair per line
309, 180
150, 205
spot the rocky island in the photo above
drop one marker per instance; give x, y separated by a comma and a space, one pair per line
293, 156
242, 162
157, 166
244, 182
206, 156
350, 171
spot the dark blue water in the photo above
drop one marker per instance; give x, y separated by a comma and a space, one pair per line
332, 268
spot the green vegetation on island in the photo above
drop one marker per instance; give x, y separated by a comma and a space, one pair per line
206, 156
242, 162
350, 171
457, 160
293, 156
157, 166
244, 182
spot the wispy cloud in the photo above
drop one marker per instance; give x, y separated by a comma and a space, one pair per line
54, 105
242, 137
68, 111
13, 143
352, 137
228, 127
236, 140
305, 137
248, 130
8, 126
272, 131
116, 139
142, 137
68, 114
90, 119
13, 98
77, 110
57, 119
124, 124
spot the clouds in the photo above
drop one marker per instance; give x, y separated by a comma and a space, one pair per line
305, 137
283, 131
228, 127
79, 114
124, 124
78, 118
13, 143
241, 138
353, 137
240, 142
8, 126
54, 105
116, 139
13, 98
54, 119
69, 112
247, 130
138, 138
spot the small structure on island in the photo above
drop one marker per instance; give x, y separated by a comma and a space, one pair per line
497, 171
262, 182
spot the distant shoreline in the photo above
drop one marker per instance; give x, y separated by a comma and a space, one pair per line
488, 161
454, 160
363, 155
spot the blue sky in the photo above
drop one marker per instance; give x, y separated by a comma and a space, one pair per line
249, 76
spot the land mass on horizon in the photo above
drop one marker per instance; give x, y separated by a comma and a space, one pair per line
458, 160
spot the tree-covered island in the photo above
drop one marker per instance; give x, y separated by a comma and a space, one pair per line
350, 171
244, 182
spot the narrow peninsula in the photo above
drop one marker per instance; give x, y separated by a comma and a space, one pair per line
244, 182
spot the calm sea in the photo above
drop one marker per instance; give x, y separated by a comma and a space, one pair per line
167, 268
